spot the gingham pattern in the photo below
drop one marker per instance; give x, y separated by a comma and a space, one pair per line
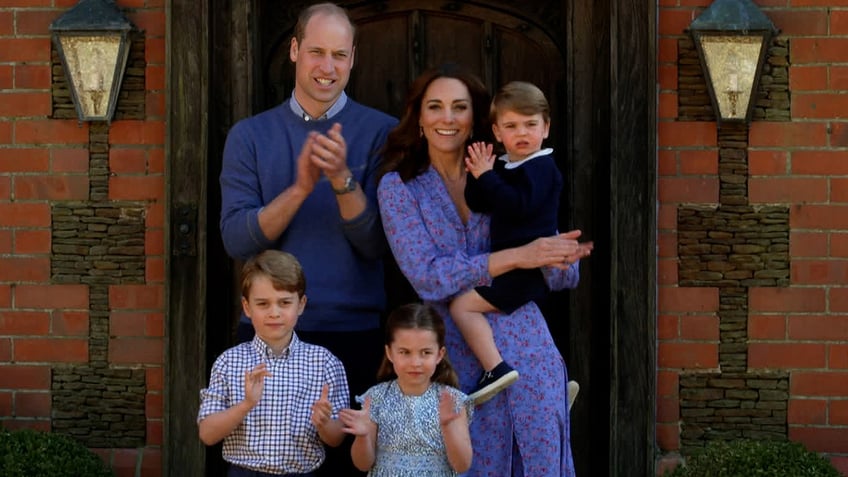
277, 435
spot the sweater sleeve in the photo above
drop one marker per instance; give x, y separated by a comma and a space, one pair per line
475, 196
530, 189
420, 240
365, 232
240, 198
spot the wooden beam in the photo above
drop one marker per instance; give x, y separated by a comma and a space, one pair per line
186, 150
633, 225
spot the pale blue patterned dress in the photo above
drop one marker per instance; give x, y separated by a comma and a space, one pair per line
525, 430
409, 437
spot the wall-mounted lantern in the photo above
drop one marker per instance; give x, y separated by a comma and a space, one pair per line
732, 38
92, 40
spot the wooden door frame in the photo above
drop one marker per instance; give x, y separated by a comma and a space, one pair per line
620, 94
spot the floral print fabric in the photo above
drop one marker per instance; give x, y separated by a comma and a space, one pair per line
524, 431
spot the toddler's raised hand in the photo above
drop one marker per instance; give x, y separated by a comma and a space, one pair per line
480, 158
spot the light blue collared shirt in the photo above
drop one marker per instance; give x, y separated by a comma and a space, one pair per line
334, 109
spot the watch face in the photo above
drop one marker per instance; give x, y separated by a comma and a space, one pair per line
349, 186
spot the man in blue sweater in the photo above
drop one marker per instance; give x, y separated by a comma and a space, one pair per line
300, 177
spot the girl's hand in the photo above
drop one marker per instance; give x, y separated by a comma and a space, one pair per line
358, 422
448, 410
480, 158
254, 383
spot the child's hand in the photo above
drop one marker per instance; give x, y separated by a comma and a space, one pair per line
480, 158
322, 410
448, 410
254, 383
355, 422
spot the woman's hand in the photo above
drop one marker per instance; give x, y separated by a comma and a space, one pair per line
557, 251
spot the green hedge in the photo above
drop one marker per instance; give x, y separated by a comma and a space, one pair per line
29, 453
749, 458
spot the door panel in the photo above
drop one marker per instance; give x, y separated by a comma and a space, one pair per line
382, 69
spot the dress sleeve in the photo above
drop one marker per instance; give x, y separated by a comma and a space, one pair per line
435, 263
561, 279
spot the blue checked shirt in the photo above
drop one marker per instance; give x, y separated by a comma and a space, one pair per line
277, 435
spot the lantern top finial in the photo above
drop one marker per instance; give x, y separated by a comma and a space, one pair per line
733, 16
96, 15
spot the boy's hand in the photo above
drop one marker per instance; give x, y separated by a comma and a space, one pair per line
322, 410
448, 411
254, 383
355, 422
480, 158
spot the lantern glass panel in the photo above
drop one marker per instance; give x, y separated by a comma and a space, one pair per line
732, 62
91, 61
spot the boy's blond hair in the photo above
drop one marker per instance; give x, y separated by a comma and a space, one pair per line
281, 268
523, 98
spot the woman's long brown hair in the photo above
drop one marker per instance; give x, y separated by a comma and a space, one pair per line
405, 150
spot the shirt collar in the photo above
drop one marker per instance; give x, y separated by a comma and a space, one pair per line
334, 109
265, 351
513, 165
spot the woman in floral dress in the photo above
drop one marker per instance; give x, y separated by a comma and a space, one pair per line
443, 250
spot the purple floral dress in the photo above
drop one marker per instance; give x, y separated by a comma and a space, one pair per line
525, 430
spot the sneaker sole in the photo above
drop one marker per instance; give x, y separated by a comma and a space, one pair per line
573, 389
493, 389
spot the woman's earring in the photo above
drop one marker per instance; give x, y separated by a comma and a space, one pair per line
420, 131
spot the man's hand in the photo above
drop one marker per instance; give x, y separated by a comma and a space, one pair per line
329, 154
307, 173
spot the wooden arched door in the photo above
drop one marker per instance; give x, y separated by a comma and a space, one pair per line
595, 60
397, 40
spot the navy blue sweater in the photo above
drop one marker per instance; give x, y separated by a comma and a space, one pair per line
342, 260
523, 201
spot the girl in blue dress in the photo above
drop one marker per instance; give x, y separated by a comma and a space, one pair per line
415, 422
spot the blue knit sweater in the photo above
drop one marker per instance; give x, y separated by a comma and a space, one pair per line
341, 259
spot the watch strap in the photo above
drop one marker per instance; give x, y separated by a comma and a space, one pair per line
349, 186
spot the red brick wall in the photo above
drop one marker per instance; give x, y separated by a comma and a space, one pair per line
44, 161
802, 164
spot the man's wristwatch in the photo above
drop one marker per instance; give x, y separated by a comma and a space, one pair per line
349, 186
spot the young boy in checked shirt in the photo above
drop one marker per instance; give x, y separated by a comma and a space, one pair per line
273, 400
